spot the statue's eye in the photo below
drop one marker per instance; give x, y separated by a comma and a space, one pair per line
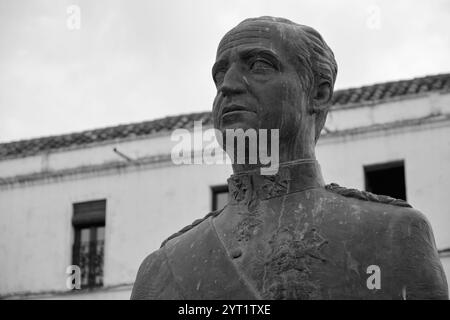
261, 65
219, 76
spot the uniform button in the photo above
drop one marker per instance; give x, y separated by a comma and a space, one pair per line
236, 253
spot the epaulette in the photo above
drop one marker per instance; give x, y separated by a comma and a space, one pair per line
193, 224
366, 196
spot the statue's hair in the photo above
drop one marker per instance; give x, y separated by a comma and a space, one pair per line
316, 60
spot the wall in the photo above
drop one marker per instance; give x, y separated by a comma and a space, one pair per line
36, 233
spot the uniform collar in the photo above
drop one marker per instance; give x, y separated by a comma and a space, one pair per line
293, 176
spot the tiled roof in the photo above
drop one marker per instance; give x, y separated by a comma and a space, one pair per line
380, 92
391, 90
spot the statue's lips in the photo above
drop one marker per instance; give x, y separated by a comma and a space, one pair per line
234, 108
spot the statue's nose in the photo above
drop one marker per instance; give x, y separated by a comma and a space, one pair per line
233, 82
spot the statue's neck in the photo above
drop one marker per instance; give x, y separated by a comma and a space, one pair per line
290, 151
292, 176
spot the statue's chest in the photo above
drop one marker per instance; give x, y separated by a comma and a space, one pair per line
275, 244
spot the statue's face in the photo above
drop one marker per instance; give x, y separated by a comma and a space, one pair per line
258, 85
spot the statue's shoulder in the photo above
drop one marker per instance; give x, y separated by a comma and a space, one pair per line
366, 196
409, 237
395, 215
195, 265
154, 279
191, 226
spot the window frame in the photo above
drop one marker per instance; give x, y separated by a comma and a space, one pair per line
370, 168
215, 190
96, 246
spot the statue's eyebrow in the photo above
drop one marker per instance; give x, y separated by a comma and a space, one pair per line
249, 53
219, 65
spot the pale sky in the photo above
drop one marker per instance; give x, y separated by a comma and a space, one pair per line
133, 61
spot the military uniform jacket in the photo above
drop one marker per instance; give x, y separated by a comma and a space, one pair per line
288, 236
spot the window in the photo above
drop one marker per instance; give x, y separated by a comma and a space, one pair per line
386, 179
88, 248
219, 197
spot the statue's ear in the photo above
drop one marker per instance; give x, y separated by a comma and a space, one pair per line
322, 96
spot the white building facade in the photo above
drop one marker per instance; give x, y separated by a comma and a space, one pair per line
114, 194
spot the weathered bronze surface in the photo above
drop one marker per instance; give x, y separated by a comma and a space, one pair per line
288, 235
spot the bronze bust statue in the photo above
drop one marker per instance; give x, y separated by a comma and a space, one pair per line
288, 235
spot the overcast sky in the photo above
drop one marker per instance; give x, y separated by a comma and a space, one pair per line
132, 61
